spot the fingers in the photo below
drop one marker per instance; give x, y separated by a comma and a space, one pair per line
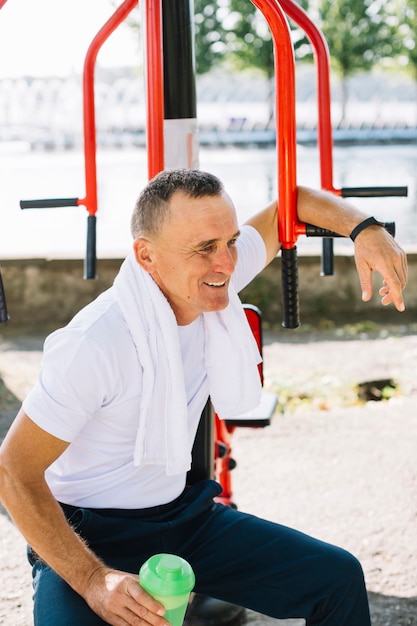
139, 615
119, 600
141, 608
394, 284
387, 298
366, 286
389, 260
144, 599
389, 294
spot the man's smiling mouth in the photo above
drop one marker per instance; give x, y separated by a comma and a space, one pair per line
222, 284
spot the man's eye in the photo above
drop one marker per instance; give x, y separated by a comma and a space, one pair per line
209, 248
232, 242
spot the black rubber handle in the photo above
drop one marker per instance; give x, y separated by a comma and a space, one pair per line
316, 231
3, 308
48, 203
289, 270
327, 257
90, 263
373, 192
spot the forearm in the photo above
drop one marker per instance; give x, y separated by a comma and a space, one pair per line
327, 210
319, 208
42, 522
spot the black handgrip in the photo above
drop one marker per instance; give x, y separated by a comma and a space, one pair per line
48, 203
3, 308
90, 264
373, 192
289, 270
327, 257
316, 231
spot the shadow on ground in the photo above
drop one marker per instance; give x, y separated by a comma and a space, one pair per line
393, 611
385, 611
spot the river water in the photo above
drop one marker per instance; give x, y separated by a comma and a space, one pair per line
249, 176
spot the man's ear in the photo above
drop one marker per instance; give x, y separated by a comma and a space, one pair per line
144, 254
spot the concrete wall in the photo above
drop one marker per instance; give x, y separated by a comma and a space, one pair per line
44, 293
336, 297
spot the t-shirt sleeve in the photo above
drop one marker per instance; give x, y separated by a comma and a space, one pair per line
70, 387
251, 257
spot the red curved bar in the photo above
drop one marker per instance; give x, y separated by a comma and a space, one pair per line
322, 60
2, 3
155, 88
288, 226
90, 200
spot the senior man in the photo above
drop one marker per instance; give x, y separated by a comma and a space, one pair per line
93, 469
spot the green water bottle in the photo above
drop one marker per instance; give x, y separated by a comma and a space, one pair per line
169, 579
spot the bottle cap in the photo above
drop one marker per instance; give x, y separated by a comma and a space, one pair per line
167, 575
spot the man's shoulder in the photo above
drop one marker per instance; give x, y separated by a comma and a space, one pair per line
100, 324
251, 257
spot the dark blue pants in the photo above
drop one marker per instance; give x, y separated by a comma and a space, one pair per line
236, 557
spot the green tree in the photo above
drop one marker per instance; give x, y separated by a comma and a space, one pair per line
407, 12
210, 46
249, 44
248, 38
359, 34
209, 34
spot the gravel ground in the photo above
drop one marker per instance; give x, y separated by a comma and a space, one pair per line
329, 464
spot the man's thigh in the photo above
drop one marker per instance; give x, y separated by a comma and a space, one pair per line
265, 566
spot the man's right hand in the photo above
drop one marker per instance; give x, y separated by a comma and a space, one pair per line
119, 600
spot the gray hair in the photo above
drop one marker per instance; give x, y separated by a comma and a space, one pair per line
152, 206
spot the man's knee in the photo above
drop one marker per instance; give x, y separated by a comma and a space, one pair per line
348, 568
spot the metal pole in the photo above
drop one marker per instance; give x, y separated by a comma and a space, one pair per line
155, 88
180, 108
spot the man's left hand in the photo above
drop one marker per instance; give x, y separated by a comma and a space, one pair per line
377, 251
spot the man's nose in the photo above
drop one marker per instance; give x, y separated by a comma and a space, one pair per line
225, 260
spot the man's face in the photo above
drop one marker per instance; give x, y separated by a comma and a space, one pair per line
194, 255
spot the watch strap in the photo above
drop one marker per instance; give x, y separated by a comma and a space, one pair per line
370, 221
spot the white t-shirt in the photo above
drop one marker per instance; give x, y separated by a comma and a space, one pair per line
88, 393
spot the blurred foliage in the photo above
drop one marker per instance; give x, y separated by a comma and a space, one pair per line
361, 35
406, 10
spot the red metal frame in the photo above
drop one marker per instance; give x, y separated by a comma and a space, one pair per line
288, 225
155, 88
322, 60
90, 199
223, 460
155, 95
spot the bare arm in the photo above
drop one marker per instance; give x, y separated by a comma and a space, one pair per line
24, 456
375, 249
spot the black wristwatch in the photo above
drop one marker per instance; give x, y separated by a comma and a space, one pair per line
370, 221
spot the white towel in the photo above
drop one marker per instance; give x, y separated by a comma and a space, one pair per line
231, 359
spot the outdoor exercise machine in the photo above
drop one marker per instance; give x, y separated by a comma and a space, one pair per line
171, 114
